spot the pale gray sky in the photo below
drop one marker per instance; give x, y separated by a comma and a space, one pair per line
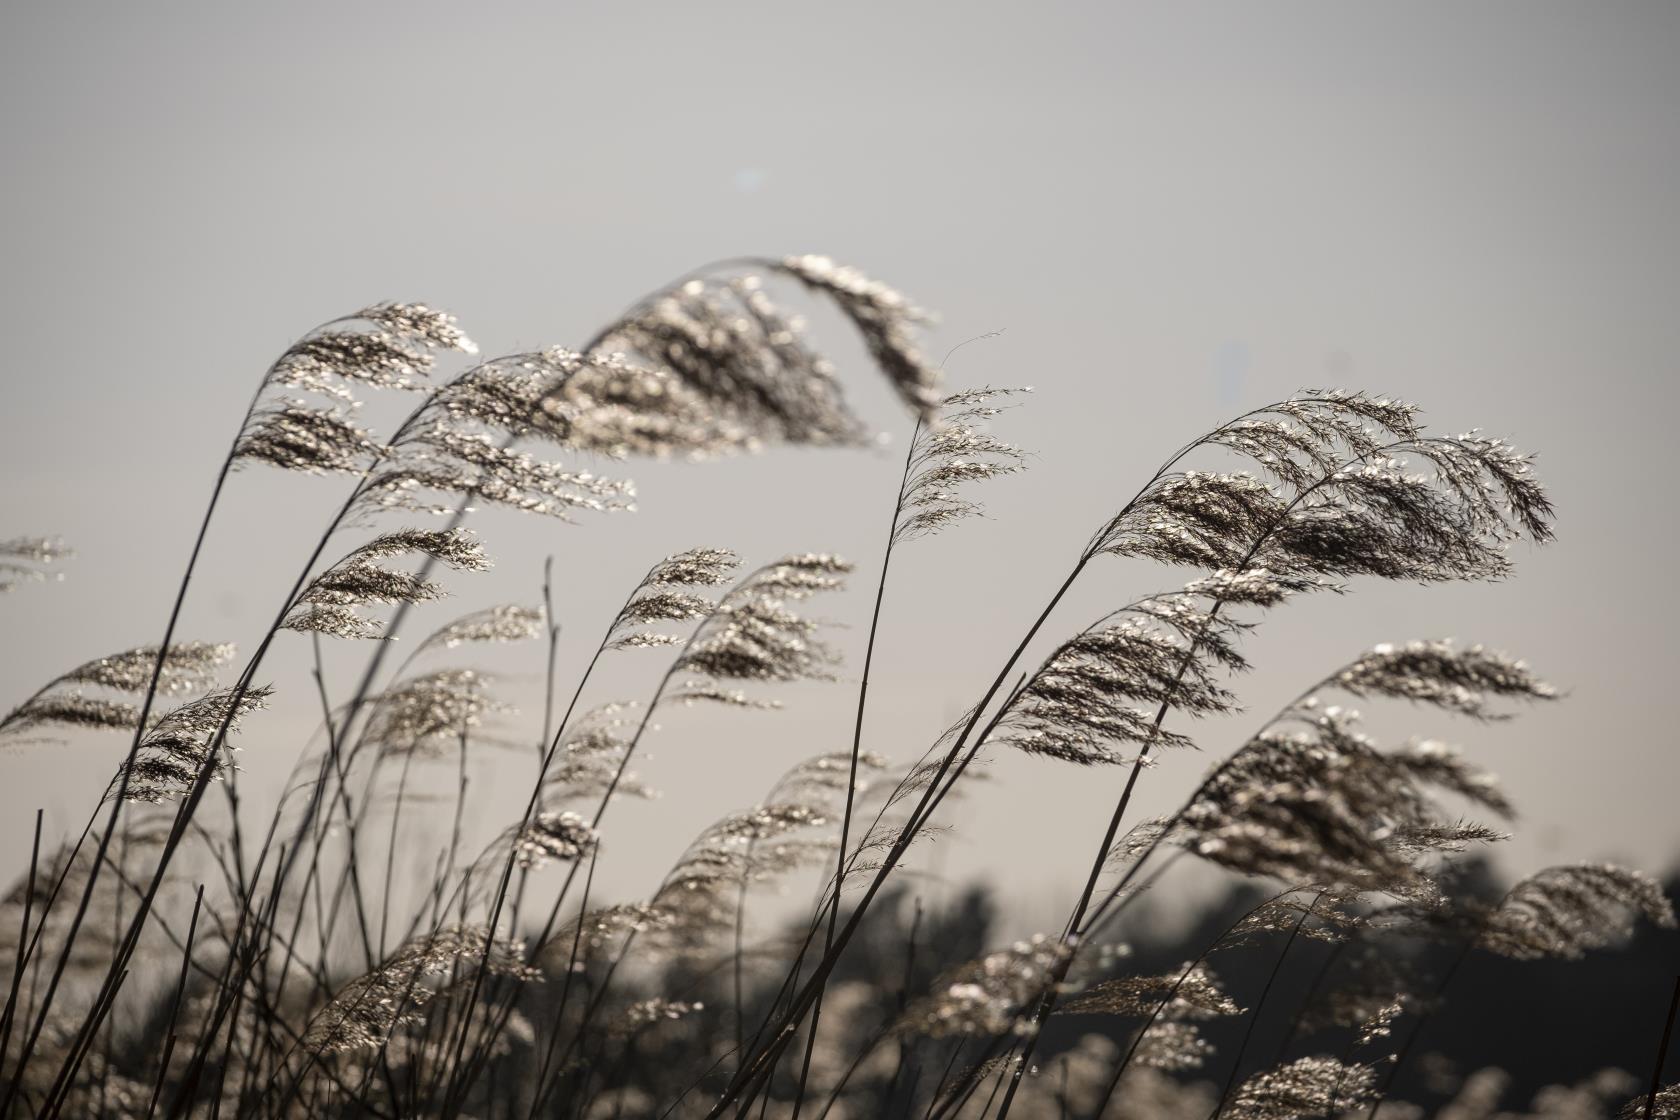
1176, 211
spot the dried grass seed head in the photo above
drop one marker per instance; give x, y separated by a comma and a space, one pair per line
365, 1012
1666, 1106
328, 604
1192, 992
989, 996
886, 321
754, 636
724, 341
297, 436
1346, 499
948, 455
554, 837
1172, 1046
182, 743
642, 1014
1568, 910
1321, 804
1319, 1086
395, 354
436, 457
663, 597
592, 750
605, 404
1103, 687
1460, 680
508, 622
428, 326
188, 667
24, 560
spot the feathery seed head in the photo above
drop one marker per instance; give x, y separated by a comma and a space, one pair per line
380, 359
885, 320
947, 455
429, 713
506, 623
1305, 1087
428, 326
1103, 686
182, 744
1439, 673
295, 436
639, 1016
723, 343
1566, 911
554, 836
1666, 1106
367, 1010
327, 605
1192, 992
753, 636
1323, 805
989, 996
22, 560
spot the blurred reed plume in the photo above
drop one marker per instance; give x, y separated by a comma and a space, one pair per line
362, 952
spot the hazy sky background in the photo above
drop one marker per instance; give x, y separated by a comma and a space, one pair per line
1177, 212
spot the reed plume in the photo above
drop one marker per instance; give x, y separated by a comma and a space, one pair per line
30, 560
61, 702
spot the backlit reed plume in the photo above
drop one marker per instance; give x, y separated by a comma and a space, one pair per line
1311, 799
1460, 681
700, 894
884, 318
552, 837
1566, 911
505, 623
29, 560
181, 744
1101, 688
592, 753
722, 336
396, 355
650, 1012
1662, 1105
949, 455
429, 713
753, 634
1306, 1087
1171, 1005
327, 605
333, 361
1360, 489
667, 595
829, 776
458, 446
365, 1012
1171, 1046
61, 702
1192, 992
988, 996
1316, 912
1321, 804
296, 436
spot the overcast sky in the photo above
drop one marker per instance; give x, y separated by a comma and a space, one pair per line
1178, 212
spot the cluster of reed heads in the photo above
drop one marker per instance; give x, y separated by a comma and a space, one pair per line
177, 957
